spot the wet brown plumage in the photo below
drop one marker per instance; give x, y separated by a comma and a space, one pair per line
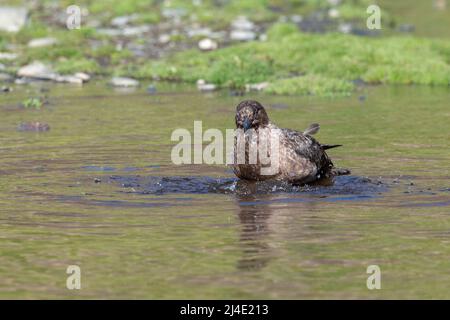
302, 159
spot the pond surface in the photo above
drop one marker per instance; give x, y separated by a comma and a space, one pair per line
99, 190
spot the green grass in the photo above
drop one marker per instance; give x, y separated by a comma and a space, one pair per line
299, 63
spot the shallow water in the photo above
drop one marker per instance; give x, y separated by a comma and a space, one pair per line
99, 190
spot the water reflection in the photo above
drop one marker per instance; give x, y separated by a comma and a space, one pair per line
255, 231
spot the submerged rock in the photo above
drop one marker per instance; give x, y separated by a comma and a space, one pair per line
256, 86
205, 87
124, 82
42, 42
12, 19
33, 126
37, 70
151, 89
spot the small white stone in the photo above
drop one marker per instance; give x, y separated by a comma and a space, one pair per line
296, 18
207, 45
240, 35
7, 56
124, 82
242, 23
42, 42
123, 20
83, 76
69, 79
12, 19
164, 38
37, 70
333, 13
345, 28
257, 86
205, 87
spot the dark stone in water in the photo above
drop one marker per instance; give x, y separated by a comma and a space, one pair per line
151, 89
33, 126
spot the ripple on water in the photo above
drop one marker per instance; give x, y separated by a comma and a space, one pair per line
344, 187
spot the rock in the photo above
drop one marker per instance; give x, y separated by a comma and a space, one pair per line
164, 38
263, 37
12, 19
37, 70
2, 67
109, 32
333, 13
242, 23
135, 31
256, 86
173, 13
83, 76
7, 56
33, 126
345, 28
123, 20
4, 77
69, 79
239, 35
42, 42
199, 32
205, 87
407, 28
440, 4
207, 45
124, 82
6, 89
151, 89
296, 18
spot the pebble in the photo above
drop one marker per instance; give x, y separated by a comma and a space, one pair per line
199, 32
42, 42
6, 89
135, 31
83, 76
207, 45
122, 21
296, 18
242, 23
36, 70
333, 13
164, 38
69, 79
205, 87
242, 35
7, 56
12, 19
256, 86
345, 28
124, 82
